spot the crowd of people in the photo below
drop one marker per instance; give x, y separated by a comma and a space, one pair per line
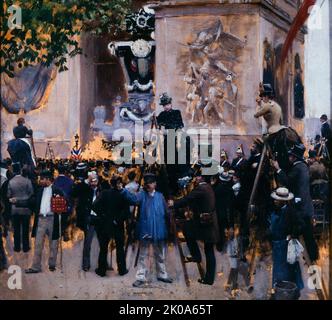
126, 204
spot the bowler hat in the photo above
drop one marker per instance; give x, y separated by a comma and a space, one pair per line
297, 151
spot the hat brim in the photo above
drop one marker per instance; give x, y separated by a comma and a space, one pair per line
225, 179
276, 197
295, 155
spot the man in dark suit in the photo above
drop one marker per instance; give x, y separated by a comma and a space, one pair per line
224, 160
46, 222
297, 180
203, 203
239, 162
325, 128
21, 131
112, 210
326, 132
84, 193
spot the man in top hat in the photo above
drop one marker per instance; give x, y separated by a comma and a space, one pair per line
269, 110
152, 229
239, 161
169, 118
297, 180
224, 163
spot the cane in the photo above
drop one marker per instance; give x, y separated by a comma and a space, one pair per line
60, 233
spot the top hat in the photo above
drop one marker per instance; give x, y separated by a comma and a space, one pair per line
282, 194
297, 151
267, 90
165, 99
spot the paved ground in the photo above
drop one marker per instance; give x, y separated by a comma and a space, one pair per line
72, 283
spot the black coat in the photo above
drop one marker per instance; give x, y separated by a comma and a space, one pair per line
19, 151
201, 200
38, 198
239, 166
224, 200
171, 119
21, 131
83, 197
297, 180
111, 208
326, 131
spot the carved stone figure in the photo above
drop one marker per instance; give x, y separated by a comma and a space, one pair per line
213, 55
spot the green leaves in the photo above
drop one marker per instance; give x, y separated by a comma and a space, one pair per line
50, 29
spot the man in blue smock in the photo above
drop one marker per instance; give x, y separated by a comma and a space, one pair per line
151, 228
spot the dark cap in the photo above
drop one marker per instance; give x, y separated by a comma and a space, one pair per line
149, 178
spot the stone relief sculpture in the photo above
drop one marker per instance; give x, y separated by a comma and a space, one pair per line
212, 94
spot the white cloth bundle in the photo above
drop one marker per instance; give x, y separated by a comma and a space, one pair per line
294, 250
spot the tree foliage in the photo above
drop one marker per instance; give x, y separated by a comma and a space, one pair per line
50, 30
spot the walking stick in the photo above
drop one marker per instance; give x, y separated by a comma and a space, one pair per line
60, 233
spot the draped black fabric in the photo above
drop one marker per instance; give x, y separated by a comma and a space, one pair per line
28, 90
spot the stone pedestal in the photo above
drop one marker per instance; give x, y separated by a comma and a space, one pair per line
220, 51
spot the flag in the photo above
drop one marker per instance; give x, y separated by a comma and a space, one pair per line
297, 24
76, 153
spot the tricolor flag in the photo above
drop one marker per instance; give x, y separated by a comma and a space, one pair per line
76, 153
